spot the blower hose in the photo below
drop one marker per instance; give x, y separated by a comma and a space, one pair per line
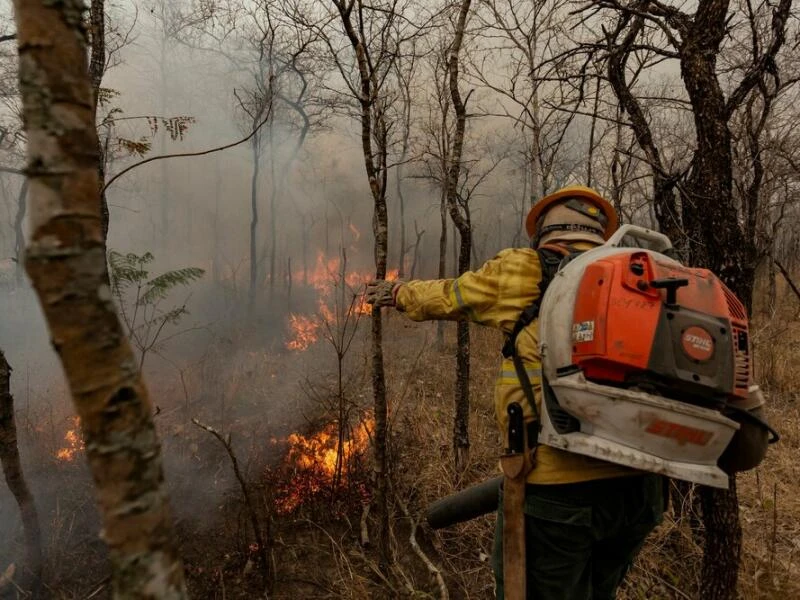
475, 501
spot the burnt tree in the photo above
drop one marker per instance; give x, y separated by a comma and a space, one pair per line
15, 478
405, 72
97, 68
372, 33
66, 262
256, 103
713, 226
459, 213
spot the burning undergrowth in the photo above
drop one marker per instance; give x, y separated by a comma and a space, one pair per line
263, 394
327, 467
72, 443
339, 305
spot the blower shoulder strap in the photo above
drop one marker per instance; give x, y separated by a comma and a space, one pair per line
550, 259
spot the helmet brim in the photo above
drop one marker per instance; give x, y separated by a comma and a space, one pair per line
575, 191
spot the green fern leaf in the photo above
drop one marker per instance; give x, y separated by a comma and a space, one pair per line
159, 287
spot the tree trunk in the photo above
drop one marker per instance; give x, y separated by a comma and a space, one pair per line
401, 272
709, 215
97, 68
67, 264
723, 542
664, 204
273, 217
537, 189
709, 219
590, 153
404, 79
455, 250
715, 242
499, 243
162, 142
617, 183
442, 272
305, 235
289, 280
15, 478
772, 285
417, 243
536, 170
251, 296
373, 124
215, 265
19, 233
327, 225
461, 418
380, 229
399, 181
462, 223
517, 242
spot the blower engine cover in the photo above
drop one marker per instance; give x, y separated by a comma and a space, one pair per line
640, 354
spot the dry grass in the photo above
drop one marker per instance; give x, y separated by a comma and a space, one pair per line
770, 495
258, 394
669, 566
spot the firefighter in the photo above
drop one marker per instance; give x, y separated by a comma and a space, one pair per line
578, 522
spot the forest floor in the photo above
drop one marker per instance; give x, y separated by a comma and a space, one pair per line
314, 526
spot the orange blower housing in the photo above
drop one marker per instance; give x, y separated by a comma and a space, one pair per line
663, 328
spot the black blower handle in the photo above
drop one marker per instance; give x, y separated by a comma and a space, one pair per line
671, 284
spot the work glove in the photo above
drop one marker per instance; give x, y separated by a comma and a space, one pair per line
381, 292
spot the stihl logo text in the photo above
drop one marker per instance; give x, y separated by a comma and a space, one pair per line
699, 342
682, 434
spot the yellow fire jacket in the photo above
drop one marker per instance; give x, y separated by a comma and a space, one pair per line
494, 296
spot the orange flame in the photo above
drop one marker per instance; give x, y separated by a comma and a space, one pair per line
74, 442
318, 464
304, 332
326, 278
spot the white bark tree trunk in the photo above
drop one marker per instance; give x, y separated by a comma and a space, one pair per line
67, 264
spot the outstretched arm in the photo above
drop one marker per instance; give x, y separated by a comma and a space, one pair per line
445, 299
491, 295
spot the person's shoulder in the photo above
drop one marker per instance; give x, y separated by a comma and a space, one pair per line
521, 255
518, 261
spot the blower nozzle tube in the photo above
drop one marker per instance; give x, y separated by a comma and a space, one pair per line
475, 501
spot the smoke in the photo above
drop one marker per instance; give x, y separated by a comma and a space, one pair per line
226, 361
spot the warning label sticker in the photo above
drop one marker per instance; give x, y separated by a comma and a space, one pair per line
583, 332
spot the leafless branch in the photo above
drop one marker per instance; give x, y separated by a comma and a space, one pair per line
263, 551
250, 136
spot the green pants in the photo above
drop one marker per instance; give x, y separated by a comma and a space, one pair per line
581, 538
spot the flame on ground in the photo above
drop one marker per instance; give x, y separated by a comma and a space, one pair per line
317, 464
74, 442
327, 278
304, 332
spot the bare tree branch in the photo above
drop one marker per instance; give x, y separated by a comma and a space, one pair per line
263, 551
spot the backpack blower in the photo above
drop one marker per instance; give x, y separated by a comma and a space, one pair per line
644, 361
642, 358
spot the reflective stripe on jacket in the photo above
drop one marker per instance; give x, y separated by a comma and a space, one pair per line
494, 296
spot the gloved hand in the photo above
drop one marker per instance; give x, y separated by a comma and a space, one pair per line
381, 292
